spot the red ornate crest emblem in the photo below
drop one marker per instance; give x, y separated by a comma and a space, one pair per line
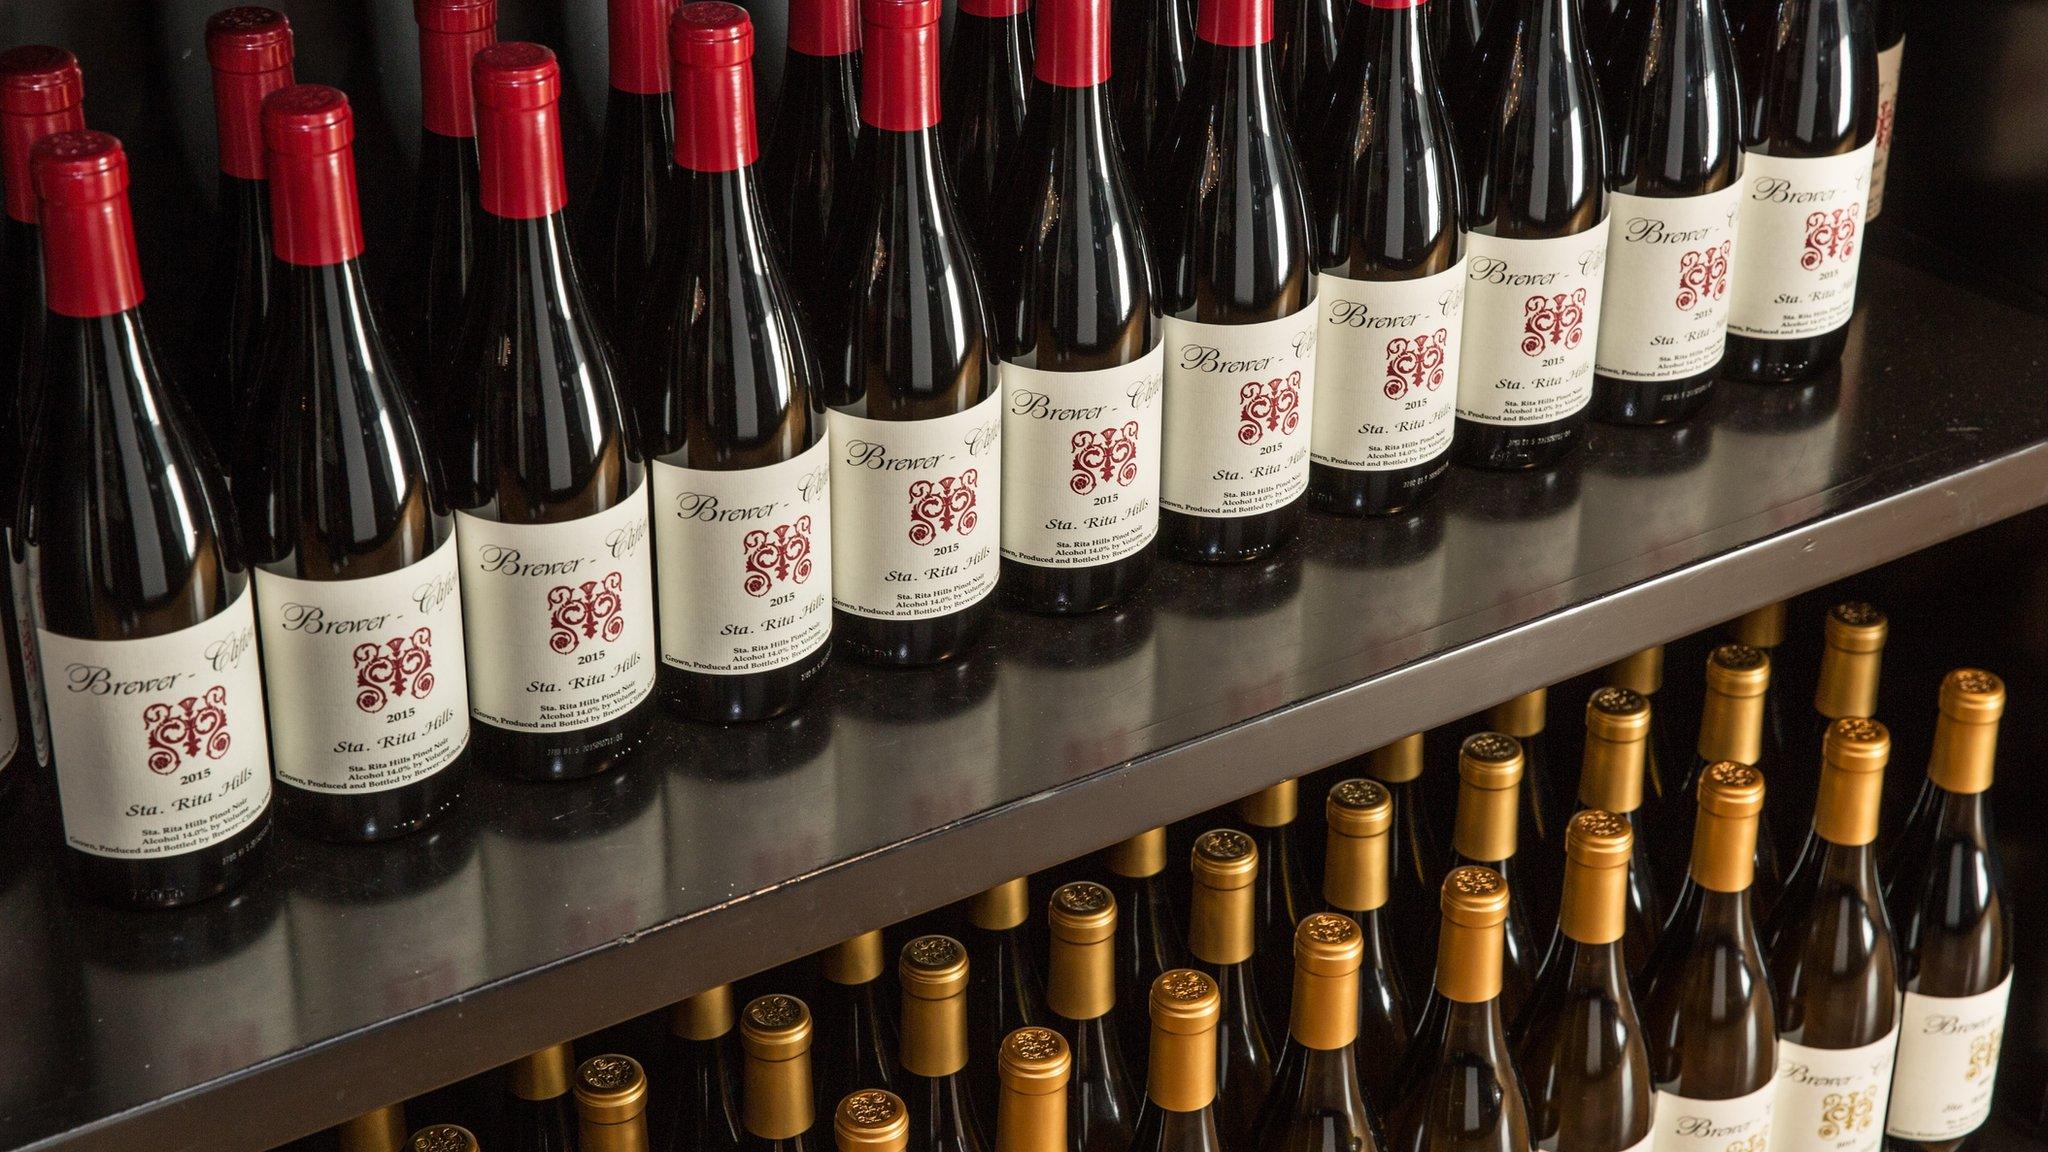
1269, 406
943, 505
1830, 235
1417, 363
1703, 275
1886, 109
579, 612
183, 730
394, 669
776, 554
1106, 457
1556, 321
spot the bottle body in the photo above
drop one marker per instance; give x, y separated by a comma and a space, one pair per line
807, 162
1149, 45
987, 89
1709, 1019
1581, 1053
618, 233
1890, 16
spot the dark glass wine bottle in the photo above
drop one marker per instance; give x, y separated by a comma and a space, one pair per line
1809, 133
1221, 940
933, 971
539, 1115
871, 1120
619, 231
1490, 781
442, 1138
730, 414
144, 621
1078, 328
1611, 780
42, 92
378, 1130
1706, 997
1149, 43
1282, 895
807, 165
1458, 1090
445, 237
1643, 674
1731, 729
988, 88
1947, 899
1304, 48
1418, 856
249, 50
1580, 1047
776, 1097
1455, 29
1674, 155
1179, 1114
1034, 1066
1230, 234
1081, 1001
1356, 868
1544, 797
702, 1101
1828, 944
909, 372
1890, 17
856, 1039
353, 549
1383, 186
1851, 658
1316, 1103
1534, 177
551, 519
1149, 936
611, 1105
1007, 990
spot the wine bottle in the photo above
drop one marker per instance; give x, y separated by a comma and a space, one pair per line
1031, 1115
1149, 42
1077, 326
1455, 30
1834, 971
987, 89
1007, 989
42, 92
1580, 1047
249, 50
1674, 159
1383, 185
702, 1108
1643, 674
1230, 234
1356, 868
611, 1105
353, 549
1764, 630
378, 1130
1080, 996
871, 1120
807, 165
1947, 900
1179, 1114
1851, 658
933, 971
1611, 780
445, 237
1316, 1102
1706, 1003
1490, 777
1809, 131
1221, 941
776, 1095
1281, 897
731, 415
1890, 17
619, 230
1148, 932
550, 519
910, 374
442, 1138
856, 1039
1458, 1090
1527, 719
1418, 856
538, 1115
1535, 188
1304, 47
1731, 729
139, 596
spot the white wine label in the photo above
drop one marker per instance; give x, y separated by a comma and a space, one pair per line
559, 618
1888, 64
1387, 370
31, 664
160, 743
1741, 1124
367, 684
1948, 1058
1832, 1099
1800, 244
919, 506
1239, 401
743, 561
1668, 263
1532, 322
1081, 462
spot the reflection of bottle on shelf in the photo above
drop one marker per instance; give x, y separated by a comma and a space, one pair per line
573, 865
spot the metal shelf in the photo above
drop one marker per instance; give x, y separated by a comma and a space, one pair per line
350, 977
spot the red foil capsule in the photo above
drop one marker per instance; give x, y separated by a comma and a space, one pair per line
899, 80
250, 50
519, 131
824, 27
89, 263
994, 9
1073, 43
1235, 23
638, 40
452, 32
315, 217
713, 46
42, 92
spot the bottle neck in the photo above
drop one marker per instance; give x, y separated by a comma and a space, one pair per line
777, 1101
238, 117
1181, 1074
1731, 727
1724, 852
1486, 824
625, 1136
1073, 46
1031, 1122
824, 27
520, 151
1081, 978
715, 118
1599, 968
934, 1041
447, 107
1234, 23
19, 133
1847, 684
637, 35
1963, 756
1220, 924
1355, 872
90, 267
1397, 32
315, 218
1324, 1012
1611, 776
1468, 962
899, 83
1594, 906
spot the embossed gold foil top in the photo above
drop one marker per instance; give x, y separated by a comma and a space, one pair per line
1762, 628
1081, 981
1356, 850
1521, 717
1272, 807
776, 1027
378, 1130
1004, 906
1966, 733
1850, 661
1181, 1074
1469, 946
1328, 949
1032, 1066
855, 961
1597, 848
443, 1138
775, 1096
1731, 797
871, 1120
610, 1090
1853, 757
1642, 673
1225, 862
1140, 856
933, 974
705, 1016
1397, 763
1732, 712
1489, 779
1617, 728
541, 1075
1034, 1061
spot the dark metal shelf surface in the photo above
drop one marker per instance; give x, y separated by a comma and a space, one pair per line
350, 977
